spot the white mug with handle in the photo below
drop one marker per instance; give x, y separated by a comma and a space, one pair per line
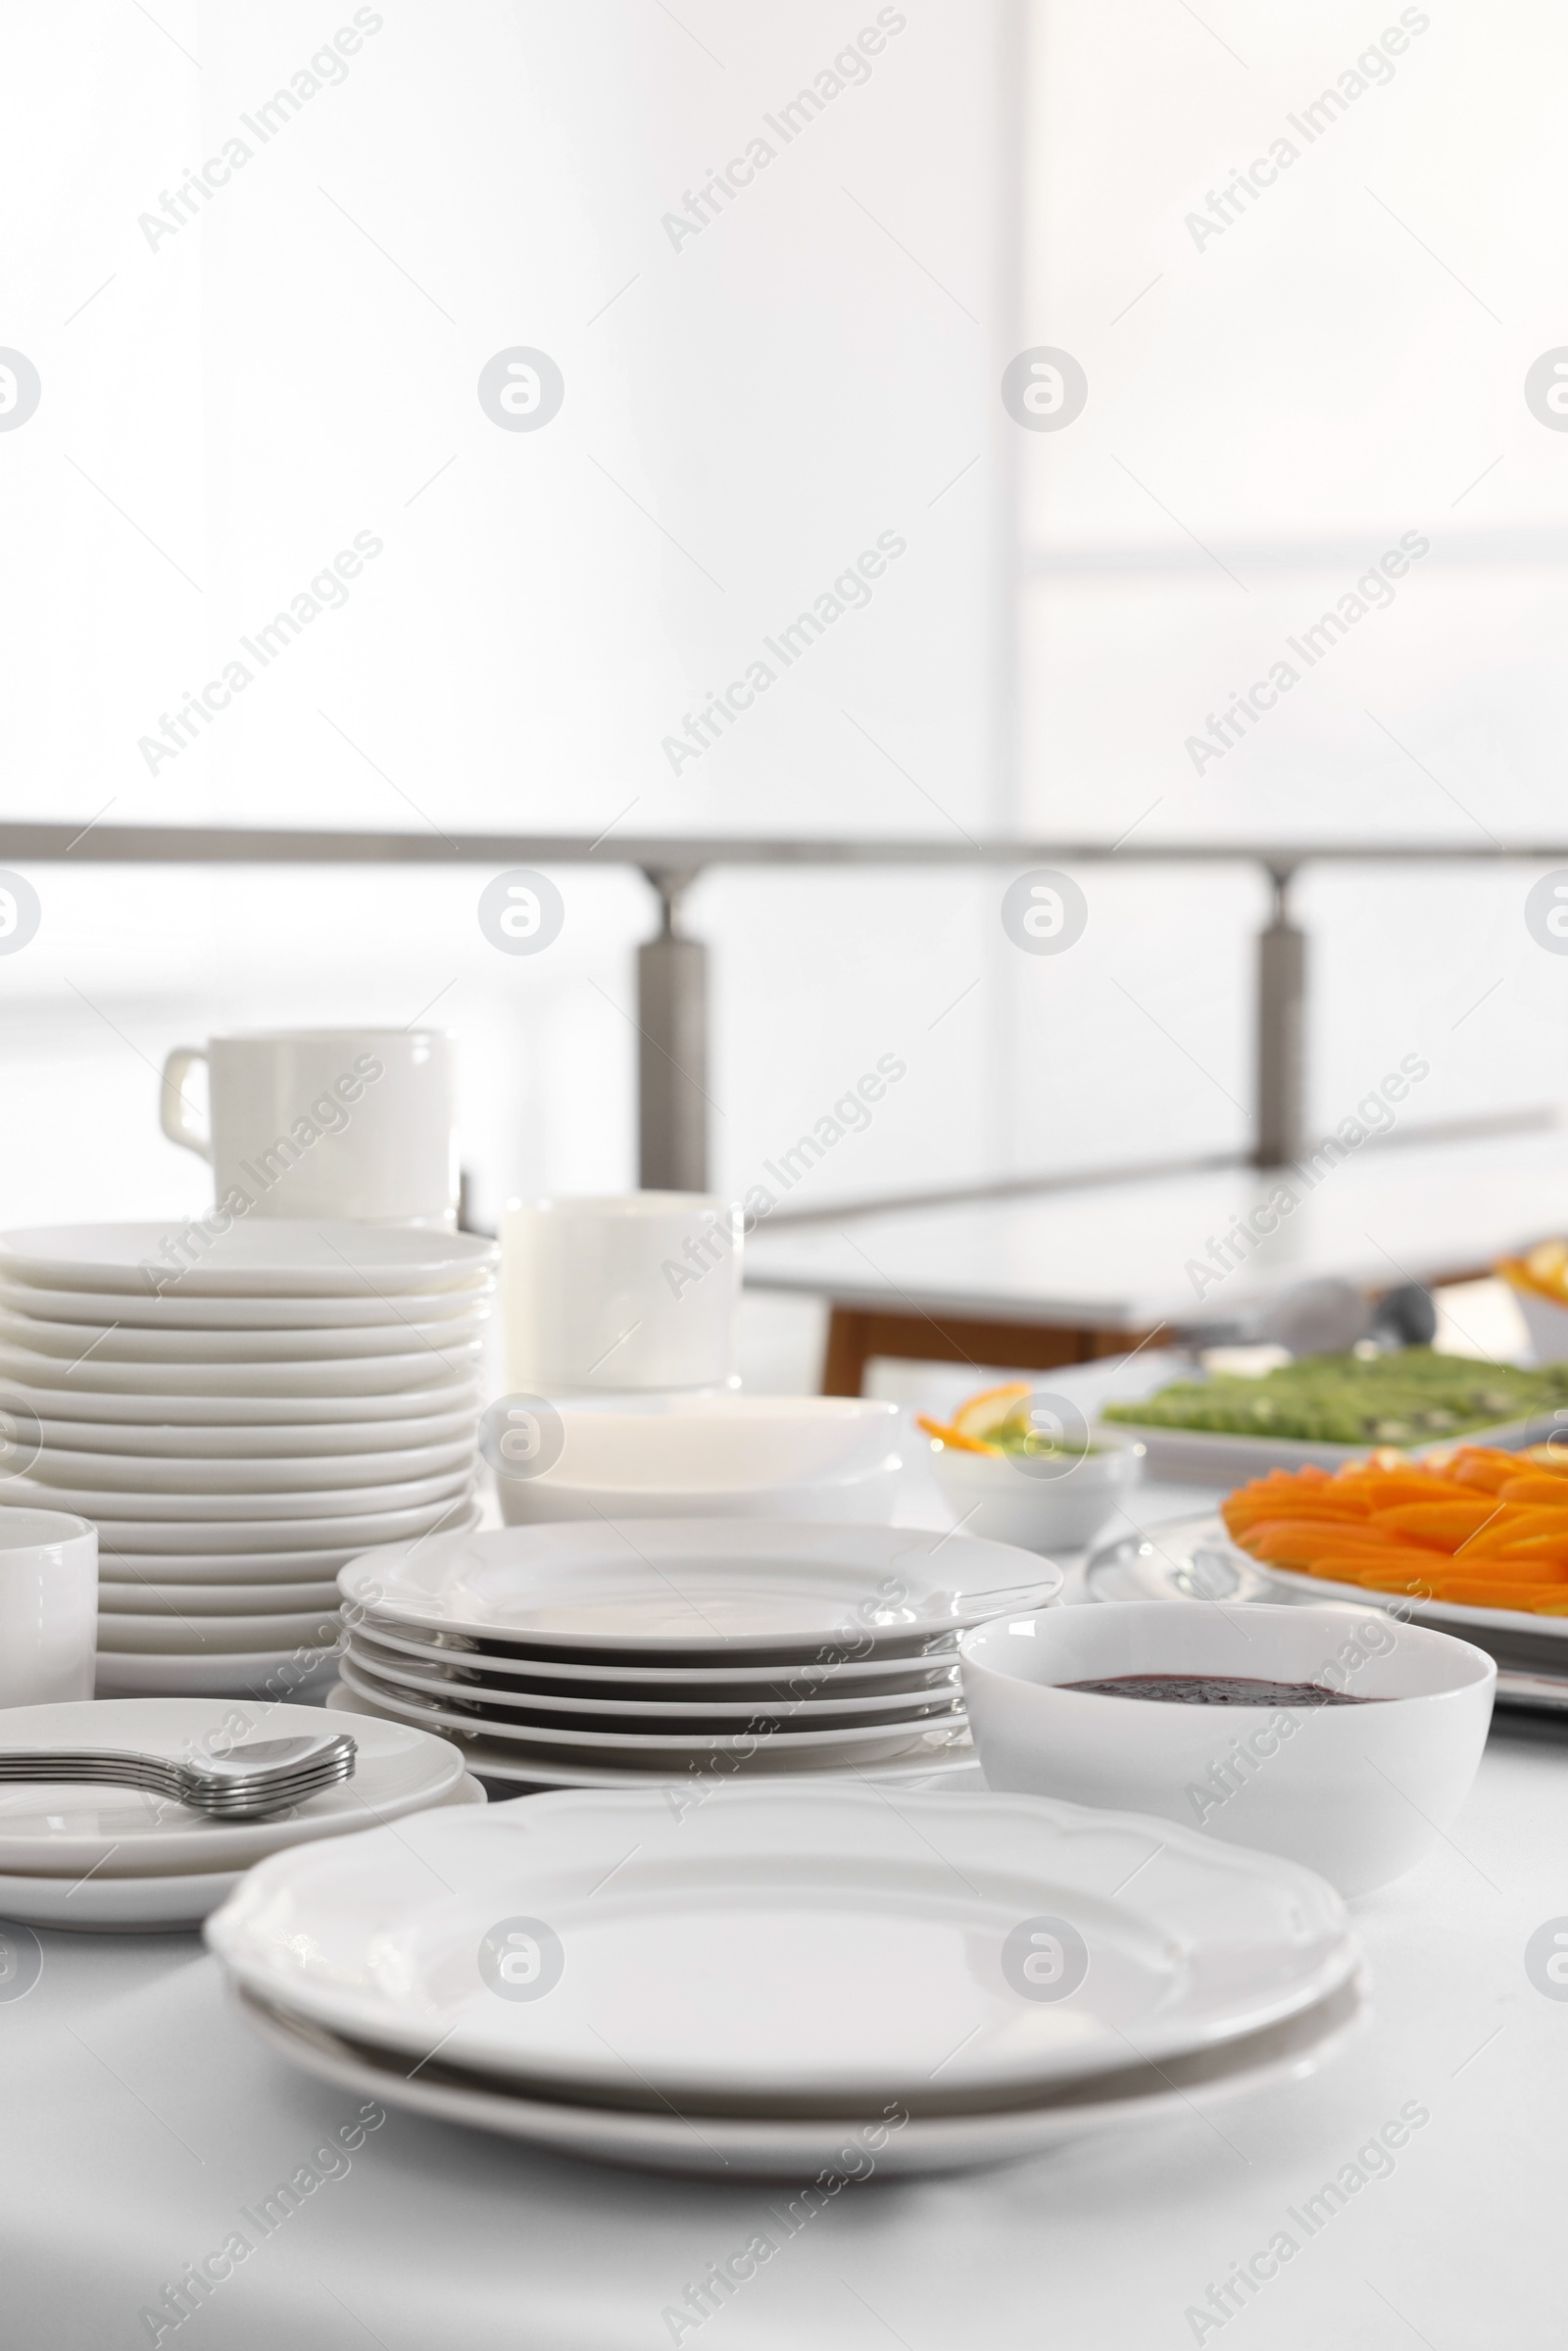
355, 1124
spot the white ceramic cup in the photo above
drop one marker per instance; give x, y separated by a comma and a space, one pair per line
48, 1607
355, 1124
623, 1293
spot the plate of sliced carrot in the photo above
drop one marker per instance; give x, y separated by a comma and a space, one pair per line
1474, 1528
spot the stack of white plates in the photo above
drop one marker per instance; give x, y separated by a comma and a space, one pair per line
111, 1858
238, 1430
587, 1654
793, 1980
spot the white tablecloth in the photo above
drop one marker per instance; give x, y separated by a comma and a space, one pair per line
143, 2126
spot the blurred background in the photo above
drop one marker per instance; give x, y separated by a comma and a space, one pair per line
1287, 377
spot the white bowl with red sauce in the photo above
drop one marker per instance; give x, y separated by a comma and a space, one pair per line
1357, 1766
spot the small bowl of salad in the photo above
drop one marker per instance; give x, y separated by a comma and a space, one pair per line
1017, 1464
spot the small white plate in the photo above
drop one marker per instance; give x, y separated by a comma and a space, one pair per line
213, 1599
169, 1448
932, 1669
105, 1905
1140, 2097
105, 1502
276, 1564
703, 1586
193, 1635
58, 1830
779, 1948
653, 1746
455, 1365
143, 1535
172, 1312
285, 1473
945, 1756
172, 1350
644, 1710
245, 1674
260, 1424
269, 1256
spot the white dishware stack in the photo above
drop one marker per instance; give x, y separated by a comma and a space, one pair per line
238, 1408
85, 1855
602, 1653
813, 1982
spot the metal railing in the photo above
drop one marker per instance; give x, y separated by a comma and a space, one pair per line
673, 966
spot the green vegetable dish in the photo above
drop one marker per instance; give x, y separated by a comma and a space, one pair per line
1414, 1398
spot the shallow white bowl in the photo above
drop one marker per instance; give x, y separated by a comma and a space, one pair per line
1547, 1325
867, 1499
1000, 1497
1359, 1793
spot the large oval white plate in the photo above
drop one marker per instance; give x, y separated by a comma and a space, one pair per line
703, 1585
789, 1946
653, 1746
758, 2148
172, 1312
261, 1257
164, 1349
297, 1474
1201, 1562
102, 1502
940, 1756
62, 1830
51, 1378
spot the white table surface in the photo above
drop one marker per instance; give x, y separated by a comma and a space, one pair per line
139, 2118
1117, 1257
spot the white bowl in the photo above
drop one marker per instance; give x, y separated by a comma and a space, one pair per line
1359, 1793
865, 1499
1034, 1504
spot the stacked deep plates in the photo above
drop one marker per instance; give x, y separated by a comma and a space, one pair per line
76, 1855
588, 1653
238, 1416
816, 1982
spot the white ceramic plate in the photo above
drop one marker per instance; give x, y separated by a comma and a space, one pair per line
213, 1599
262, 1258
787, 1947
651, 1746
106, 1905
1219, 1457
212, 1510
164, 1350
193, 1635
642, 1711
302, 1473
175, 1313
1138, 2098
49, 1378
251, 1423
62, 1831
704, 1586
940, 1757
248, 1673
934, 1670
140, 1536
169, 1451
